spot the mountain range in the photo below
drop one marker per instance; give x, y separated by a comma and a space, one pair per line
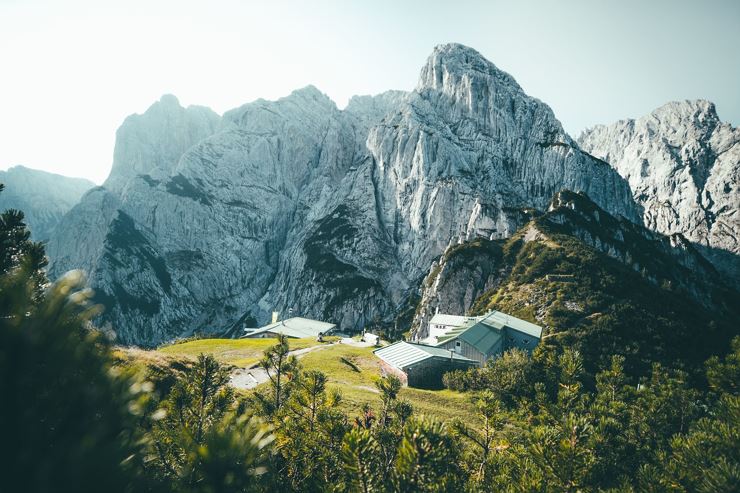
208, 223
43, 197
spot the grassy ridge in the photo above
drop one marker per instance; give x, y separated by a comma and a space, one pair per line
235, 352
353, 370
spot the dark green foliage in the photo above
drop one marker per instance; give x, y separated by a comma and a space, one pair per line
193, 407
427, 459
605, 308
482, 443
505, 377
231, 458
17, 251
282, 368
69, 418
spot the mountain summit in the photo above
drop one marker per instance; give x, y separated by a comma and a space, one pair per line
683, 166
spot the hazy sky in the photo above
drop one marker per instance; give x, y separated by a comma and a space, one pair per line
72, 70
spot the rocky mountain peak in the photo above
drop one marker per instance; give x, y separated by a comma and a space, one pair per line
169, 100
697, 112
307, 102
335, 214
683, 166
450, 63
463, 87
157, 138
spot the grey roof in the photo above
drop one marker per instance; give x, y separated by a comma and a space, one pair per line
298, 327
404, 354
451, 320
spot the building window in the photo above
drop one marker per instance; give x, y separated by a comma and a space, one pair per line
458, 345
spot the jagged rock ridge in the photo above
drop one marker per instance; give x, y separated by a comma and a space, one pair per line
297, 204
683, 166
43, 197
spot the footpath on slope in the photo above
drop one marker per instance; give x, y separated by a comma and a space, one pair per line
249, 378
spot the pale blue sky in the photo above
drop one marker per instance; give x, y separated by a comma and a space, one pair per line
72, 70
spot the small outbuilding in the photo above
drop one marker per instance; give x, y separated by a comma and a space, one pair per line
296, 327
419, 365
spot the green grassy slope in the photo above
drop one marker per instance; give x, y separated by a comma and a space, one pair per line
603, 306
352, 370
235, 352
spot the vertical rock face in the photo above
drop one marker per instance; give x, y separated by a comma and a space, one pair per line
683, 166
157, 139
43, 197
296, 204
459, 277
468, 146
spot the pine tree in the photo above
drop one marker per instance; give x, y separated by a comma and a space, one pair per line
69, 416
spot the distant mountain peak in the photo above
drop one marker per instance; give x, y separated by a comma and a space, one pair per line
683, 166
687, 108
169, 100
450, 62
43, 197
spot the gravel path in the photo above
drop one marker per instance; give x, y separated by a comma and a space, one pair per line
249, 378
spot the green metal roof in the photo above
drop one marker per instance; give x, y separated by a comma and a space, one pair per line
404, 354
486, 331
482, 337
500, 320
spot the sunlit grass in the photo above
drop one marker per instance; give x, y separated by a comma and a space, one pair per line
236, 352
352, 370
341, 364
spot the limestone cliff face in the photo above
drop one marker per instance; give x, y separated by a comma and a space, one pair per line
683, 166
459, 277
468, 146
294, 203
157, 138
43, 197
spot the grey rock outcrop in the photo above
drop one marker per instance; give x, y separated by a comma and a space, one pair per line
336, 214
683, 166
459, 277
157, 139
43, 197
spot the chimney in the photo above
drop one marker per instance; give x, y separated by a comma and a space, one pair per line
275, 316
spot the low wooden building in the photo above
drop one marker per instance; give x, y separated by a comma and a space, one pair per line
419, 365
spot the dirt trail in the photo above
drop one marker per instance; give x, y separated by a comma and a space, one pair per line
249, 378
